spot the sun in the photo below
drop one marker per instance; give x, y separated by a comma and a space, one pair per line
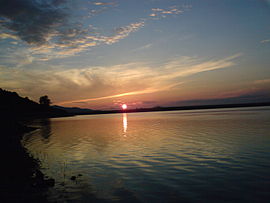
124, 106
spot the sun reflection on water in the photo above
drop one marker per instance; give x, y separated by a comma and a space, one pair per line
125, 123
175, 149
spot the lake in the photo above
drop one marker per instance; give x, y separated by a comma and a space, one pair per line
220, 155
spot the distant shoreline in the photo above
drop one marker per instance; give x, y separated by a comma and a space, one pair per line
179, 108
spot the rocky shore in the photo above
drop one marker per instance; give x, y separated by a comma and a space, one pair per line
21, 179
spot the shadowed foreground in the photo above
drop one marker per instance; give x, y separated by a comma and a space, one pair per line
21, 179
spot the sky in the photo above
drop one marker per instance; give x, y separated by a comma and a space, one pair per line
145, 53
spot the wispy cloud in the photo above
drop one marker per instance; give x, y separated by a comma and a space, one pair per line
51, 31
104, 3
264, 81
145, 91
194, 67
160, 12
8, 36
147, 46
163, 78
108, 82
265, 41
75, 41
32, 21
120, 33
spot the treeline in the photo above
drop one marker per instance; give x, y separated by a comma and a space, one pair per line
14, 106
26, 183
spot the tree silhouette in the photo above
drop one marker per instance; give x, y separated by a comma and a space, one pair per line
44, 100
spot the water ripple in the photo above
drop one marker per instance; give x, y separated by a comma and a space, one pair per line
201, 156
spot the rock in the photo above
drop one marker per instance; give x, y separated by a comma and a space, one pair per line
73, 178
50, 182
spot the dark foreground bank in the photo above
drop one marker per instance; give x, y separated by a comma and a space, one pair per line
21, 179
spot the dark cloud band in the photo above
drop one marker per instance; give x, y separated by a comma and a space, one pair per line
32, 20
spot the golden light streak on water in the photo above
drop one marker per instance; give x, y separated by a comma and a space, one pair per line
125, 123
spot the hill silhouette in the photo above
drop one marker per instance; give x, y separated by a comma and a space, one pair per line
75, 110
19, 184
14, 106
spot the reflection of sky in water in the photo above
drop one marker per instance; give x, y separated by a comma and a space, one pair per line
161, 153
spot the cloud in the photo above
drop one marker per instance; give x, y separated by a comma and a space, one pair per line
122, 32
8, 36
47, 26
265, 41
147, 46
51, 30
78, 40
159, 12
104, 3
32, 21
49, 34
16, 59
163, 78
103, 83
259, 82
145, 91
119, 33
75, 40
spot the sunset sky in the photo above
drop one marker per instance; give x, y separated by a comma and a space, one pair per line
145, 53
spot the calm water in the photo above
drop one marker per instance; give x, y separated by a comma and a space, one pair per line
178, 156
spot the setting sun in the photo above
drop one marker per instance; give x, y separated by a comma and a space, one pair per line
135, 100
124, 106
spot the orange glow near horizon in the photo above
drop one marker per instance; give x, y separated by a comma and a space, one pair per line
124, 106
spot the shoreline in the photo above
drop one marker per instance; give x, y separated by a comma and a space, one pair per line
178, 108
22, 181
